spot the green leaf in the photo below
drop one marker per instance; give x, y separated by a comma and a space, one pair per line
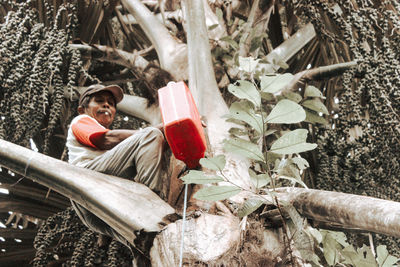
230, 119
315, 233
383, 258
316, 105
290, 170
294, 180
246, 90
219, 14
312, 91
301, 163
244, 111
362, 258
212, 27
236, 58
269, 132
331, 248
216, 163
272, 157
351, 256
297, 220
247, 64
282, 64
256, 40
259, 180
218, 52
230, 41
340, 237
286, 167
277, 163
303, 240
292, 142
225, 38
267, 96
227, 58
275, 83
199, 177
214, 193
249, 206
238, 131
367, 258
295, 97
243, 148
286, 111
313, 117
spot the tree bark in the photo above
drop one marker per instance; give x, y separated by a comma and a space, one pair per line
207, 239
138, 107
113, 55
205, 90
171, 53
346, 211
289, 48
319, 73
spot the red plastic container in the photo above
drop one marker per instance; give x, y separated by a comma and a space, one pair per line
182, 125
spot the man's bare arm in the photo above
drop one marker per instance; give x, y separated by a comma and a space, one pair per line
112, 138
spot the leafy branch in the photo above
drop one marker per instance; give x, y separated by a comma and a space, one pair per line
262, 106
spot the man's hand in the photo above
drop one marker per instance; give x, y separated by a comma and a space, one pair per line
203, 121
160, 126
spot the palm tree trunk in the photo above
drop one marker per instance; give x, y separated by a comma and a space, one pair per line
125, 205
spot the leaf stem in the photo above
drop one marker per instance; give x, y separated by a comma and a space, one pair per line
286, 234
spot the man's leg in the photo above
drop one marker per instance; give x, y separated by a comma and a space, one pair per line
139, 155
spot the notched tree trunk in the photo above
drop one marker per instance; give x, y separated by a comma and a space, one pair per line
206, 239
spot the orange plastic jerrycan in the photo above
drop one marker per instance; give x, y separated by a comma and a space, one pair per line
182, 125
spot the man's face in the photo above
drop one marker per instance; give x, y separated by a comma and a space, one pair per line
102, 107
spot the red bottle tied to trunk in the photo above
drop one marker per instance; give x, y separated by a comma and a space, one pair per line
182, 125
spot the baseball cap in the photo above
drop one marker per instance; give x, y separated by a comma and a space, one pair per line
94, 88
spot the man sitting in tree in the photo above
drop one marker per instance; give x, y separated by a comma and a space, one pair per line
131, 154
